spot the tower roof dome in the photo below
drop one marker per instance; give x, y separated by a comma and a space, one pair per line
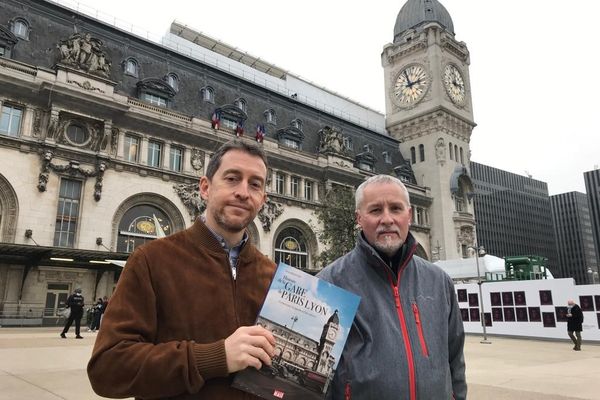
418, 12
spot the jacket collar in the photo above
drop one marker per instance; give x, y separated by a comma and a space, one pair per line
204, 238
374, 260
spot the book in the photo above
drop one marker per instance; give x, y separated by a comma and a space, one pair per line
310, 320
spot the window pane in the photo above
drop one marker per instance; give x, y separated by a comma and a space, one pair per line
10, 121
131, 148
176, 159
154, 150
308, 190
67, 213
138, 226
291, 248
295, 186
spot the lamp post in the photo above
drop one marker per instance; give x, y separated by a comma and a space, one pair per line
480, 250
592, 275
294, 320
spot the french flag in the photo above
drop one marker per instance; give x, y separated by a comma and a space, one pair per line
215, 120
239, 130
260, 133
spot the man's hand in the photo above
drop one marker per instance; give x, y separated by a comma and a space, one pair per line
249, 346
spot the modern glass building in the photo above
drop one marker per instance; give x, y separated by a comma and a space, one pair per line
574, 238
513, 214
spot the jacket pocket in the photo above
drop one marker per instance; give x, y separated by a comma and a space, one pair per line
419, 325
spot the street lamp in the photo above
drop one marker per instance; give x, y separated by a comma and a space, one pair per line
480, 251
593, 275
287, 337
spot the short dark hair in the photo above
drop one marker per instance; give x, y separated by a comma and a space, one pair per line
246, 147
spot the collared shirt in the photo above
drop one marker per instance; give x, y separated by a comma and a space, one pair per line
233, 253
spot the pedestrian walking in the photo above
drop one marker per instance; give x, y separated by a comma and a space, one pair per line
75, 304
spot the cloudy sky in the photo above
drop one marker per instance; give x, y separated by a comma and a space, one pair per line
534, 64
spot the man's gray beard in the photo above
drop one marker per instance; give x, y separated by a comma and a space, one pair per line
389, 248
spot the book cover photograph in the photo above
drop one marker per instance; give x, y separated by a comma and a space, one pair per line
310, 320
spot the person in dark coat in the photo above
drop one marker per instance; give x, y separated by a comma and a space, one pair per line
75, 303
574, 323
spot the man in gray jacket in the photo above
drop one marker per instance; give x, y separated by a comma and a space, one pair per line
407, 339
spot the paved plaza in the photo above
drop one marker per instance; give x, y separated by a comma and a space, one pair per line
36, 364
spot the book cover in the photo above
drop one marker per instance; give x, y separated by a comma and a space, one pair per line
310, 319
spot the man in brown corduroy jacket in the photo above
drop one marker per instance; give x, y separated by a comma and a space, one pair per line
181, 320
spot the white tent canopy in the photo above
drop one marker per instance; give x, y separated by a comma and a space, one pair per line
465, 269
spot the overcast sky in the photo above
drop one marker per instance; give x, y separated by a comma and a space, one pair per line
535, 76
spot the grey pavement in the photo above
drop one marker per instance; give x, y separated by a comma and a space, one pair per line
36, 364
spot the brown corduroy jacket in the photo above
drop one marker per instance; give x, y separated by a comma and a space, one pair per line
176, 301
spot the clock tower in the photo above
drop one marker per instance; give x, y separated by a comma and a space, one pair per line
329, 335
429, 110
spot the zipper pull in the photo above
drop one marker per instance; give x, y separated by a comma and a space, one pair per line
397, 297
416, 312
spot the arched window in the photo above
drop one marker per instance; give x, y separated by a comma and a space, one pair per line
450, 148
140, 224
241, 104
297, 123
131, 67
291, 248
208, 94
20, 28
462, 160
270, 116
413, 155
455, 153
421, 152
173, 81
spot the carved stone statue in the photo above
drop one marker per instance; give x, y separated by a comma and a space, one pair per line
269, 213
85, 53
440, 150
331, 141
114, 141
190, 197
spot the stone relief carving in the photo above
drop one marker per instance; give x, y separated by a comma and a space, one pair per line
197, 160
114, 141
331, 141
37, 122
465, 236
99, 133
190, 197
86, 85
84, 52
440, 150
72, 168
269, 213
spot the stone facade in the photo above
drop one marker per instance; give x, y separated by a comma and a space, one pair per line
130, 124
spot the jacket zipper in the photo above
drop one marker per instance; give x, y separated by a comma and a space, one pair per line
412, 380
424, 350
409, 354
347, 392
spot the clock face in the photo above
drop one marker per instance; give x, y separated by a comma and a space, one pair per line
331, 335
411, 85
455, 85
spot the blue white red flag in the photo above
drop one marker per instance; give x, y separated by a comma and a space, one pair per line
239, 130
260, 133
215, 121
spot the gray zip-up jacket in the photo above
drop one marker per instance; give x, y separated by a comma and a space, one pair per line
406, 342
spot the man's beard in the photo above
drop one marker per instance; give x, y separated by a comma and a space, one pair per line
388, 245
225, 222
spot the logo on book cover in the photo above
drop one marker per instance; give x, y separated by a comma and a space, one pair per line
279, 394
